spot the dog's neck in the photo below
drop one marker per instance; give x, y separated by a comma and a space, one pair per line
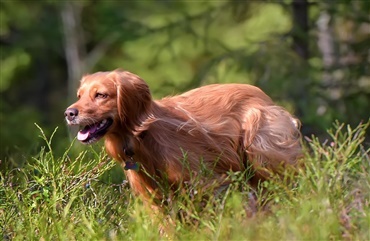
127, 147
120, 146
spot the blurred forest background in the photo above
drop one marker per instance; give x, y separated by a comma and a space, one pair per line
310, 56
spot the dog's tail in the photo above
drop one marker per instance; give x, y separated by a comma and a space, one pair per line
271, 139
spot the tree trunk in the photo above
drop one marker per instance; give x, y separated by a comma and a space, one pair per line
330, 57
300, 27
73, 45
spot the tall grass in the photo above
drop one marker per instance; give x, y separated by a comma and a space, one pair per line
65, 198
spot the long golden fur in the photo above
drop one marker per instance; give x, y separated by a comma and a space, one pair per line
226, 127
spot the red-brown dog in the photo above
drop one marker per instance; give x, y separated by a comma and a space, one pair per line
226, 127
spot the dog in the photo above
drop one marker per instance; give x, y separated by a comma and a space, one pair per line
224, 127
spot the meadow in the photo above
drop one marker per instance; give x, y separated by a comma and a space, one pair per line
84, 197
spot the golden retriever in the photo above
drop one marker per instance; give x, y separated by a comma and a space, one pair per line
224, 127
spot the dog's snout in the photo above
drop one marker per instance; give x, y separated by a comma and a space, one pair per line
71, 113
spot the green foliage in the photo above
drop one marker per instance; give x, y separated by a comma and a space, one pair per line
65, 198
18, 132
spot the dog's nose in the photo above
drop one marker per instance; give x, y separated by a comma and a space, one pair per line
71, 113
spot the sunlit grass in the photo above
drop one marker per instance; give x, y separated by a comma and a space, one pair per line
65, 198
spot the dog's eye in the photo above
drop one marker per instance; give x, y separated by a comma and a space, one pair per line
101, 96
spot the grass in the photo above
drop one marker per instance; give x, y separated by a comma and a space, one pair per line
65, 198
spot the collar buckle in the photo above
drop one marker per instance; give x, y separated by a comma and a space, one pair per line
131, 164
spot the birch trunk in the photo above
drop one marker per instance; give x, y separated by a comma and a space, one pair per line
73, 42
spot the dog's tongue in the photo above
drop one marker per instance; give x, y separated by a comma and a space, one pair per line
84, 134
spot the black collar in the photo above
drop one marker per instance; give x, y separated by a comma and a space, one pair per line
130, 164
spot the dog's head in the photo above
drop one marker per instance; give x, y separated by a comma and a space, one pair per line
108, 102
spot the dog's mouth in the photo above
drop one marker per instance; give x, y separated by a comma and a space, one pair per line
92, 133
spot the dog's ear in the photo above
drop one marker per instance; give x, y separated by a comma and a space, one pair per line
133, 98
